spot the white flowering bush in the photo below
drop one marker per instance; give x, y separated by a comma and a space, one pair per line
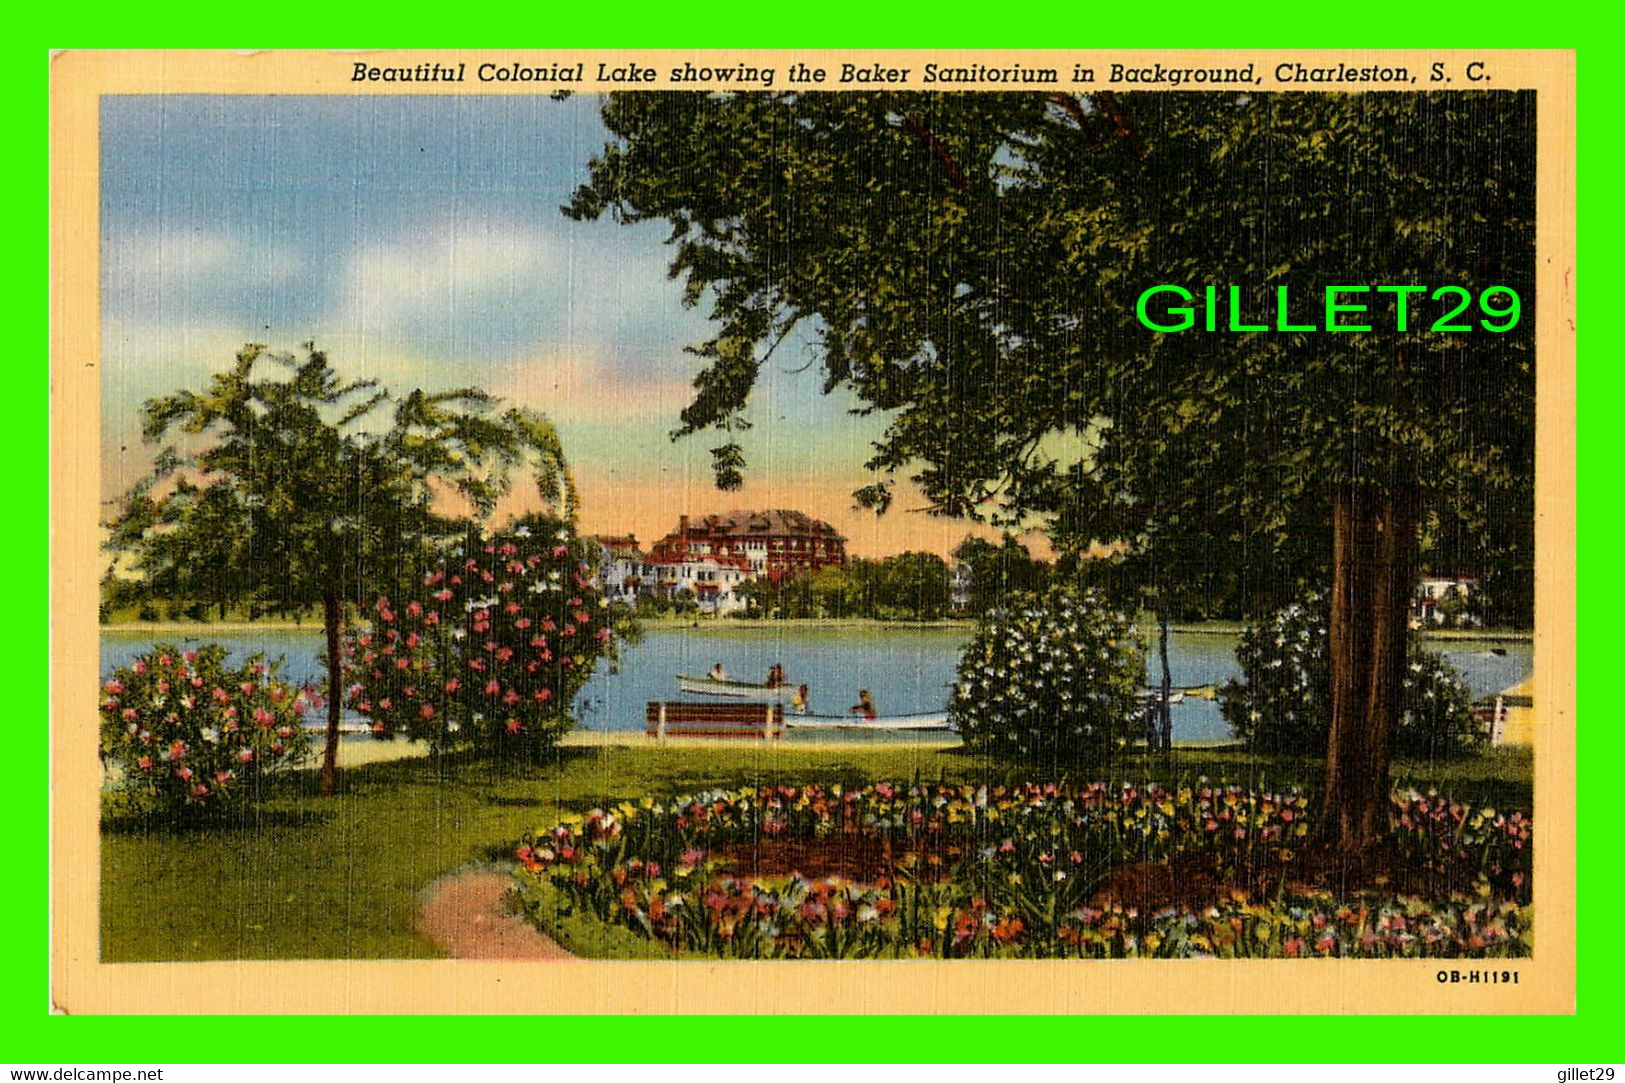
1282, 703
1050, 679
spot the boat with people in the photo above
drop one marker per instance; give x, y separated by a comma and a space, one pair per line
732, 689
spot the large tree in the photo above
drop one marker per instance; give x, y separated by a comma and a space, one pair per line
295, 488
970, 264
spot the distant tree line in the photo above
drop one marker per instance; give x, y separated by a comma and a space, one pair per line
905, 586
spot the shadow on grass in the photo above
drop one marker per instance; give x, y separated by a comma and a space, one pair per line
144, 822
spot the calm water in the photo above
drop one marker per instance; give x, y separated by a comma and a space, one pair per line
907, 670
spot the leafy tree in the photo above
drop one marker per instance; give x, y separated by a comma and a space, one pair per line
836, 591
997, 571
970, 265
295, 488
913, 584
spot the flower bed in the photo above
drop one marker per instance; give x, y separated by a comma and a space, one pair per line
891, 871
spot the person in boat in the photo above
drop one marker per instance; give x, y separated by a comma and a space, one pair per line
798, 702
718, 673
865, 706
775, 675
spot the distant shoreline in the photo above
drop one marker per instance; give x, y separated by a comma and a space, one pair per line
199, 629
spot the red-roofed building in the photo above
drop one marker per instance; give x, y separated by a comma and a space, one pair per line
775, 544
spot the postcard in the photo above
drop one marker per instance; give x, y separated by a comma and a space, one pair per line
1067, 531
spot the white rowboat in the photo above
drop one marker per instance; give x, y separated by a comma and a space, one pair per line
936, 720
745, 690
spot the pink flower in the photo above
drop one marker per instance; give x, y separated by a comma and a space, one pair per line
427, 711
246, 755
413, 609
115, 686
493, 686
140, 666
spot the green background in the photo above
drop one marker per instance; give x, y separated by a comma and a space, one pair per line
28, 1034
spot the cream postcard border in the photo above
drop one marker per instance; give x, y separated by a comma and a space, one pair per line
82, 984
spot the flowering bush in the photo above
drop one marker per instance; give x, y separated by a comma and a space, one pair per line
493, 652
192, 732
1051, 679
981, 871
1282, 703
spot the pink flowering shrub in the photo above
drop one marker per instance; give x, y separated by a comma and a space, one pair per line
192, 732
490, 652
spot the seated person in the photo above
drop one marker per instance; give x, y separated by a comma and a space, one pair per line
865, 705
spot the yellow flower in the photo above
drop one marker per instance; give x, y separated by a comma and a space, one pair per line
940, 918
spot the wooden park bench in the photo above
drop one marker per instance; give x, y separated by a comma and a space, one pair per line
680, 719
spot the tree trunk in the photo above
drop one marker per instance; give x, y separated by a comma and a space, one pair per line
1374, 552
1165, 712
332, 616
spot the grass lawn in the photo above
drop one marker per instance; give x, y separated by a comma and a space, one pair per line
306, 877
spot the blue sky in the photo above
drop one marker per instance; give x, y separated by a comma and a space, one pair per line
419, 240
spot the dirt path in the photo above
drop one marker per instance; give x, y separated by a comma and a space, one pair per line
466, 916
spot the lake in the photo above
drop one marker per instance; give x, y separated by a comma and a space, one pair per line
907, 670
